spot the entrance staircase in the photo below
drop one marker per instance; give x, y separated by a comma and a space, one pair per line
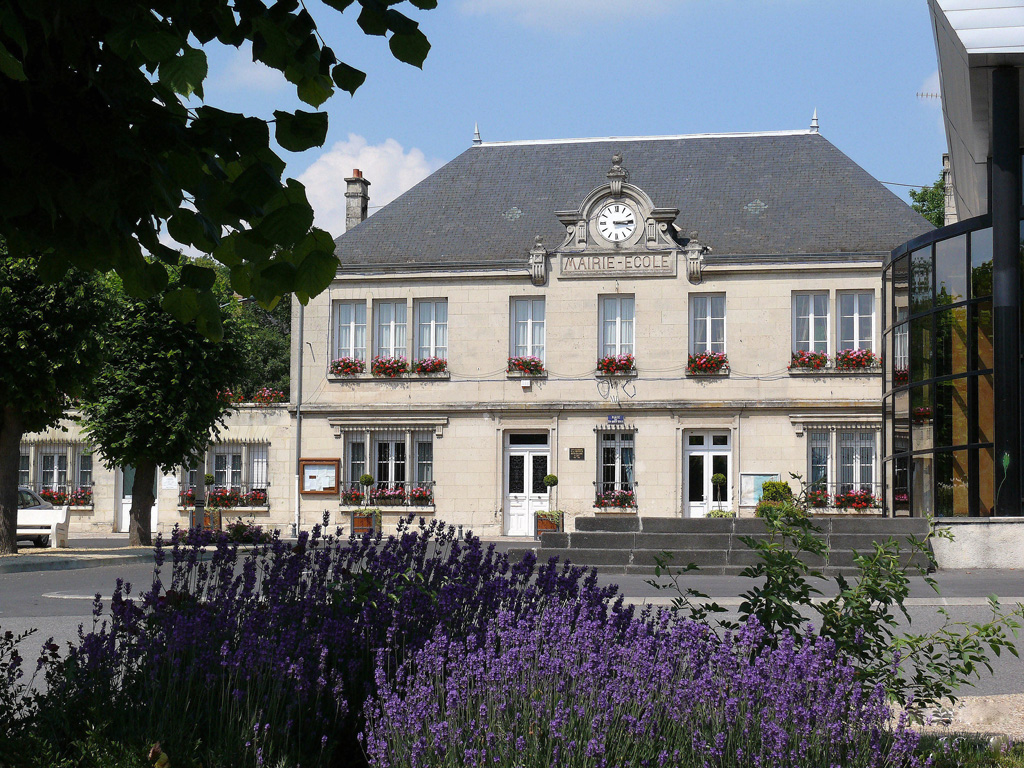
630, 545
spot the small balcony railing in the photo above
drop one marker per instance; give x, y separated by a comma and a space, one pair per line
392, 494
79, 496
845, 497
241, 496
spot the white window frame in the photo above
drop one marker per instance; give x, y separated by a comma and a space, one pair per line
844, 344
533, 329
818, 439
83, 458
392, 462
24, 468
355, 466
811, 319
354, 327
618, 325
706, 322
230, 474
845, 464
56, 476
423, 460
618, 440
390, 338
431, 334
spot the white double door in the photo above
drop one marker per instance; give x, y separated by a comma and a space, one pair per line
706, 454
525, 493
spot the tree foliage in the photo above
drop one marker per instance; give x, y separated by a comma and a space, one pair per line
157, 400
49, 350
103, 148
930, 202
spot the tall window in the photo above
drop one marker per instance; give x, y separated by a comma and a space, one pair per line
24, 475
84, 470
356, 460
227, 468
350, 329
818, 458
528, 328
432, 328
856, 320
53, 470
616, 461
391, 328
617, 325
901, 342
856, 461
810, 322
424, 461
390, 462
707, 323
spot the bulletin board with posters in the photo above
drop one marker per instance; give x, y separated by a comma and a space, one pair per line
320, 476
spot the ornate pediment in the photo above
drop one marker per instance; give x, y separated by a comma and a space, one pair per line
618, 231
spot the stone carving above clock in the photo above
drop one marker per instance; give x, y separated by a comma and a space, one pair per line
617, 231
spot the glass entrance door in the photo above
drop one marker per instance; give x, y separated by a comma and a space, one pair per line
707, 457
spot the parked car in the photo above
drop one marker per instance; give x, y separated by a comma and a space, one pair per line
29, 499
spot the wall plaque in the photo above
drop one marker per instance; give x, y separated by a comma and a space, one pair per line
641, 264
576, 454
319, 475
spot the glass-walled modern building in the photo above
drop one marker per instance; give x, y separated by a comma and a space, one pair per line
938, 432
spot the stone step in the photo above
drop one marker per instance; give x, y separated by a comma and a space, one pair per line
610, 523
884, 526
587, 557
726, 570
683, 525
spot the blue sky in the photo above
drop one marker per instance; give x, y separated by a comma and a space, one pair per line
538, 69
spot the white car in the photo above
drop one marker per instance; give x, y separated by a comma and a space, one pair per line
29, 499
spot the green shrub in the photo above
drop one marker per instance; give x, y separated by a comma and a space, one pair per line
776, 490
721, 513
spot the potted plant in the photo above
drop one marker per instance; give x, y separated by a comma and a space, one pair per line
548, 520
856, 359
430, 365
718, 480
421, 496
616, 364
352, 496
808, 361
527, 365
389, 367
621, 499
366, 520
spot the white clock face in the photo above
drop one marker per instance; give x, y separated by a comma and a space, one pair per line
616, 222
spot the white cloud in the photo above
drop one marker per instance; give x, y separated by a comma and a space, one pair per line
241, 73
557, 13
389, 168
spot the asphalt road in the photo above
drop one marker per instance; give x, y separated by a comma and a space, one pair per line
56, 603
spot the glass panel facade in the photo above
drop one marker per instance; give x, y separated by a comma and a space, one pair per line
938, 407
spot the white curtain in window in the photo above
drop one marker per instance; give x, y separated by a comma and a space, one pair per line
529, 328
432, 329
350, 330
856, 320
617, 316
391, 325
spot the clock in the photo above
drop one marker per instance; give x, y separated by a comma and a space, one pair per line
616, 222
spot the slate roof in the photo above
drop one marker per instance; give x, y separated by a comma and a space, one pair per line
759, 194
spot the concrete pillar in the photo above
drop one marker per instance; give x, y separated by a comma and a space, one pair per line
357, 199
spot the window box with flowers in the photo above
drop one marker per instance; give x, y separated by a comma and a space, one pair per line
620, 499
808, 361
818, 498
550, 520
352, 497
389, 367
388, 497
900, 377
421, 496
857, 360
527, 365
430, 366
617, 365
858, 500
922, 414
707, 364
366, 521
346, 366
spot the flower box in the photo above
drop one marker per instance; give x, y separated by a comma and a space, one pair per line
421, 496
616, 365
365, 521
818, 498
430, 365
922, 414
352, 497
856, 360
346, 366
707, 363
808, 361
900, 377
855, 500
615, 499
527, 366
389, 367
388, 497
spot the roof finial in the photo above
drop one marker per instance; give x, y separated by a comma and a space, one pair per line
814, 121
476, 134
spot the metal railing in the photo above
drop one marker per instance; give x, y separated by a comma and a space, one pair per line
394, 494
240, 496
850, 496
59, 495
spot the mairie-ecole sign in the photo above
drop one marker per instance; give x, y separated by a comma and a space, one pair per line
641, 264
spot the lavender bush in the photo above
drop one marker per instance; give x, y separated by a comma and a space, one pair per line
265, 657
568, 688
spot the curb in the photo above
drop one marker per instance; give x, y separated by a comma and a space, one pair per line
910, 602
55, 563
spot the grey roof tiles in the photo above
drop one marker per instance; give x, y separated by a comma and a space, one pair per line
757, 194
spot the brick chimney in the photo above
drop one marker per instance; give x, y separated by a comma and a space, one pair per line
357, 199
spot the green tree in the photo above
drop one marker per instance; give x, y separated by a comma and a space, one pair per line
156, 401
102, 146
49, 351
930, 202
263, 339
